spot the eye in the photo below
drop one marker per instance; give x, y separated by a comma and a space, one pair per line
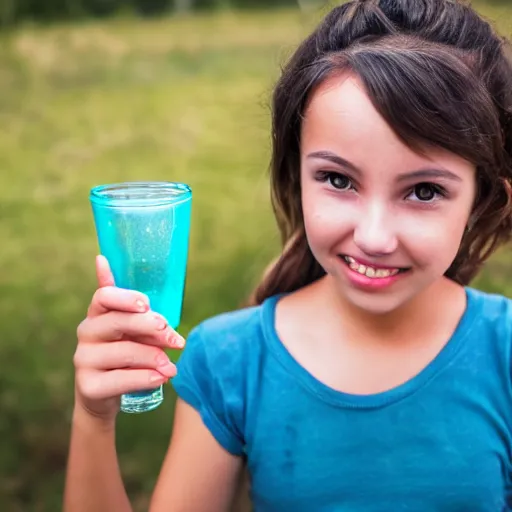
426, 192
336, 180
339, 181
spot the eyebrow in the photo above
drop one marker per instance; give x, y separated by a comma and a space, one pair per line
335, 159
420, 174
426, 174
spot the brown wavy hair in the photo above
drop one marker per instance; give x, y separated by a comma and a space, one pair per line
440, 76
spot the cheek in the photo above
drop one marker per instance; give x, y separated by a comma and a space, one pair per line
324, 221
433, 241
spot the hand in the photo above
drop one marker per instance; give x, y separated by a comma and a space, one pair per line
120, 347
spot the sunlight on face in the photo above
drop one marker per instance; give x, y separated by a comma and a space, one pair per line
382, 220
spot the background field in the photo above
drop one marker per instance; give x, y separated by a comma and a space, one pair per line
183, 98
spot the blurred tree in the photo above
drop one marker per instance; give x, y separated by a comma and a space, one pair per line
53, 9
101, 7
183, 5
213, 4
8, 12
12, 11
263, 3
152, 7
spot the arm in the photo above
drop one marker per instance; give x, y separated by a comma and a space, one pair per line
120, 349
93, 480
197, 474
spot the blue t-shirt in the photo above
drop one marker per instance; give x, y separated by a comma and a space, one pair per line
440, 442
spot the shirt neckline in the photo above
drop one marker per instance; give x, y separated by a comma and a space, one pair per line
347, 400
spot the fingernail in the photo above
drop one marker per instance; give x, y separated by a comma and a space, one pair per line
141, 305
161, 324
175, 340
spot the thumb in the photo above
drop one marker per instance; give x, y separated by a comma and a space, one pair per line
103, 272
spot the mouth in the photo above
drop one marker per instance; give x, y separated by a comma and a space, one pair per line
370, 271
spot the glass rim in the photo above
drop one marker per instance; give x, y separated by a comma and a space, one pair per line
104, 195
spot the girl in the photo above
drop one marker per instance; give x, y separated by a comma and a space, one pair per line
367, 375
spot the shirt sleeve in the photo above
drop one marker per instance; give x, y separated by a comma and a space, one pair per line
202, 381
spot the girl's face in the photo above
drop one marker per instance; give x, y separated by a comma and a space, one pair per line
383, 221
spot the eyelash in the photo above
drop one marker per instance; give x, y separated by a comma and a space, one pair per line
328, 176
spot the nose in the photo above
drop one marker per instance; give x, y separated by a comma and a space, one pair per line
375, 232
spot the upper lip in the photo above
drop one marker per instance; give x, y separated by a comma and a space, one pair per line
371, 264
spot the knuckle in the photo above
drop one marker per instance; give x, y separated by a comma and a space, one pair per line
137, 323
104, 296
99, 295
140, 356
119, 324
88, 387
128, 358
81, 330
78, 357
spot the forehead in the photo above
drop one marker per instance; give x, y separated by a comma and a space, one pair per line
341, 108
341, 118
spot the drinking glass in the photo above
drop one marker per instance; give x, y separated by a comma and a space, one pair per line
143, 231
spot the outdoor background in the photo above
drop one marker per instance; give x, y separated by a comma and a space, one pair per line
179, 96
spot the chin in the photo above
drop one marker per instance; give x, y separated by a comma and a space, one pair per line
375, 304
382, 300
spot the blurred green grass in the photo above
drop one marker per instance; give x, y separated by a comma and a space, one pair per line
182, 99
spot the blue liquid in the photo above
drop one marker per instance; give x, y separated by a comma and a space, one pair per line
145, 401
143, 231
155, 282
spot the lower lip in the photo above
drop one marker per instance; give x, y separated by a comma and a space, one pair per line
370, 283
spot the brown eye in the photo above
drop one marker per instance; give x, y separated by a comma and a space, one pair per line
339, 181
425, 192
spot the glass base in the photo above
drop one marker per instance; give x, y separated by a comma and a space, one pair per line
135, 403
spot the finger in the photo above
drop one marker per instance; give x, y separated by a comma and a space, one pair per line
103, 385
103, 272
123, 354
149, 328
111, 298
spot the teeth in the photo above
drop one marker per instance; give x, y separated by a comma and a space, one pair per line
370, 272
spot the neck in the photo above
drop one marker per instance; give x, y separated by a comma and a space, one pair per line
412, 320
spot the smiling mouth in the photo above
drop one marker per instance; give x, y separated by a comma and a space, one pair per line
372, 272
